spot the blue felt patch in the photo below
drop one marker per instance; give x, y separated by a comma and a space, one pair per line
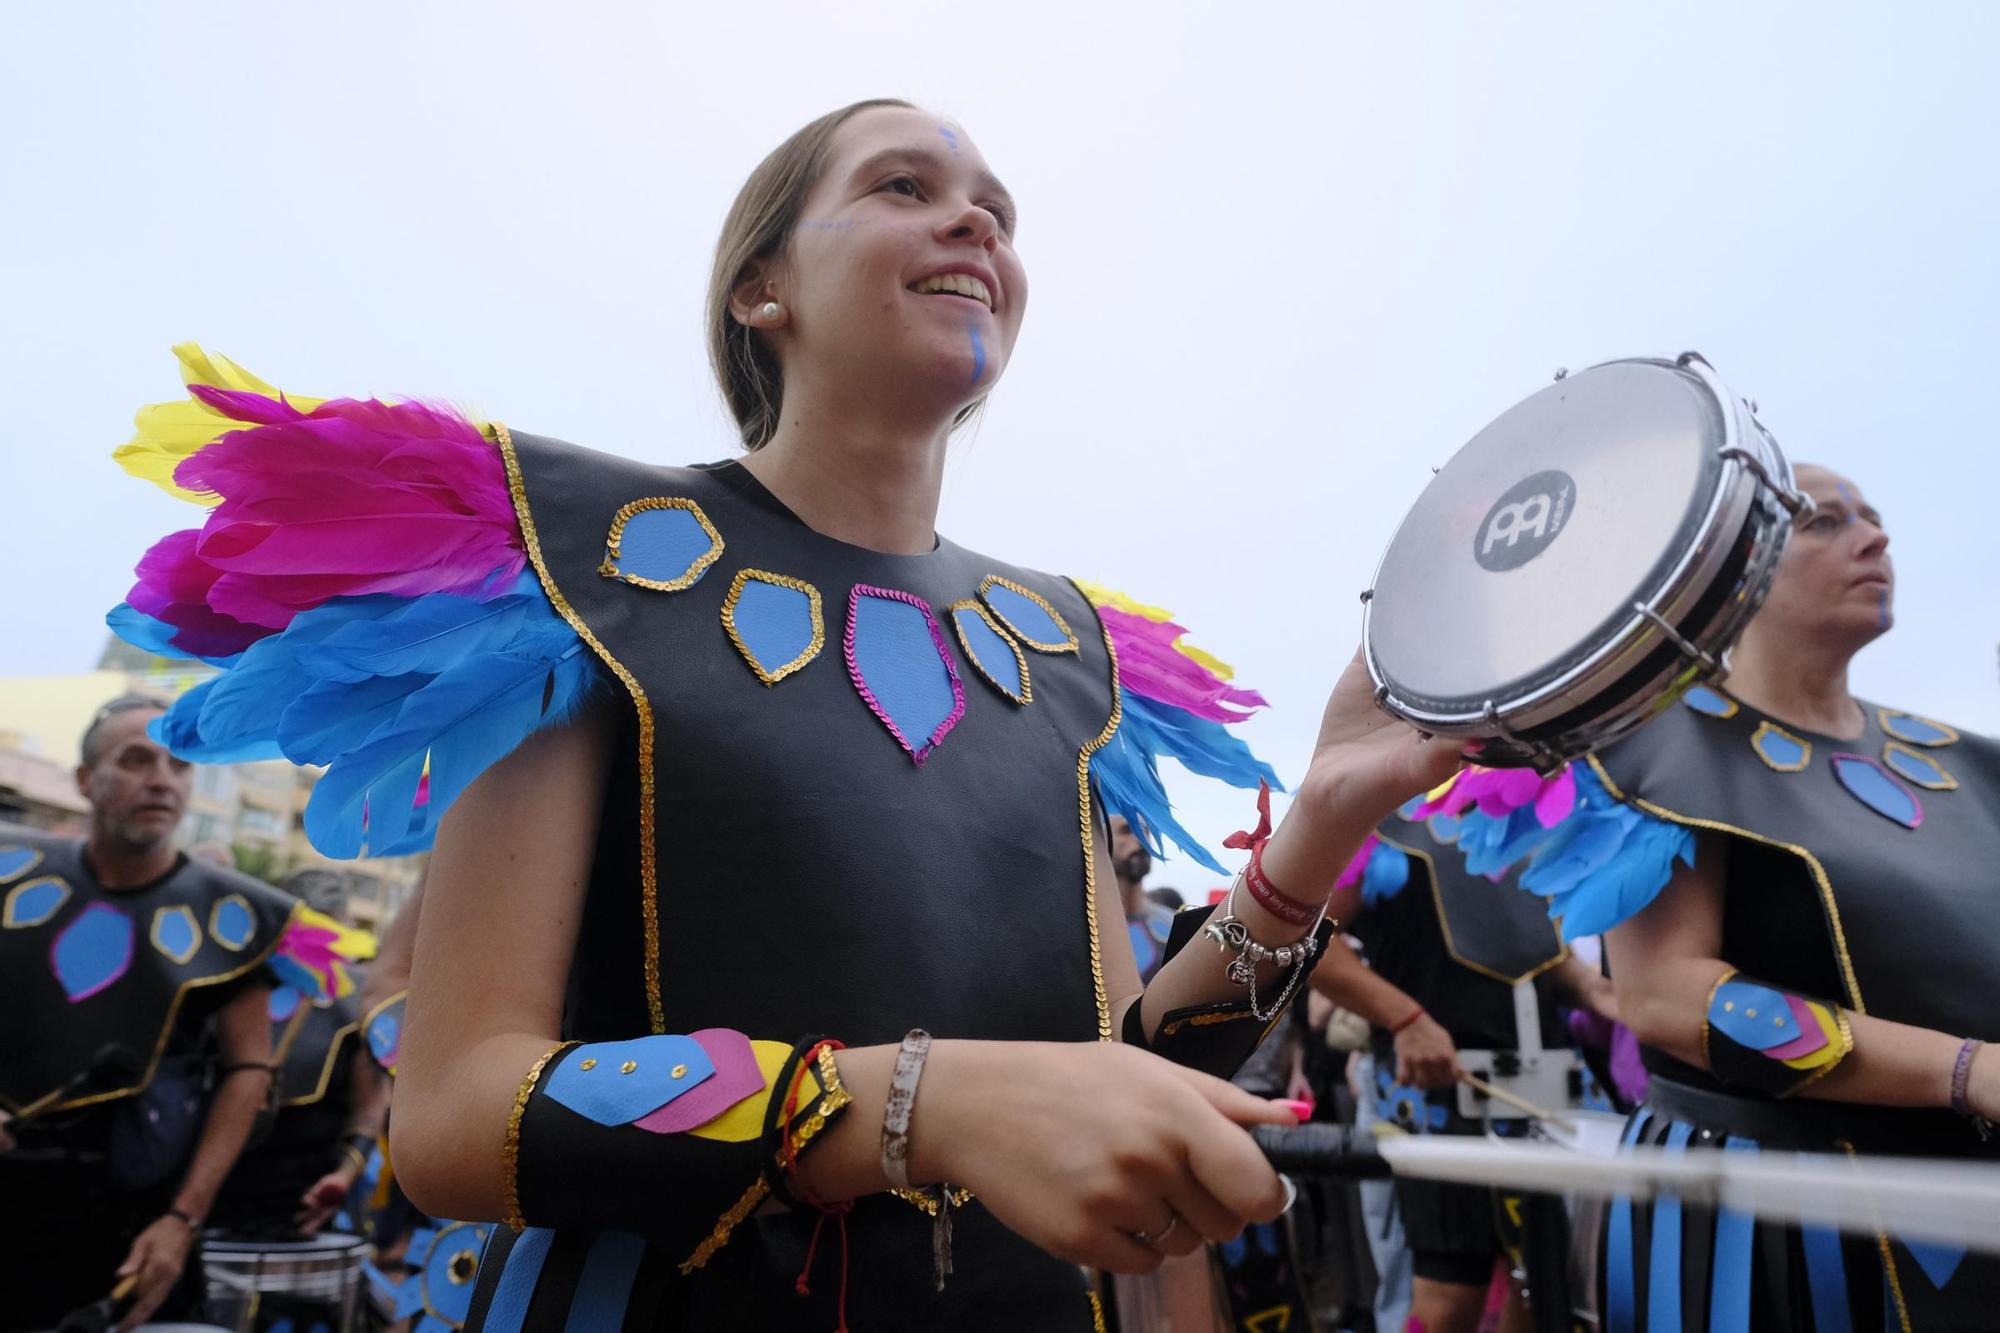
665, 546
1916, 730
1028, 618
610, 1095
450, 1270
1870, 784
1939, 1262
230, 923
1780, 749
93, 951
283, 1004
1729, 1285
604, 1287
1743, 1011
384, 1031
1707, 702
1913, 766
17, 861
520, 1273
1663, 1276
776, 625
175, 933
33, 903
1826, 1275
990, 653
896, 658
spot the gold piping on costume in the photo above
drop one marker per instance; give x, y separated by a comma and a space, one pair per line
1069, 642
1088, 825
743, 576
1941, 779
1888, 1258
649, 885
11, 921
186, 914
1027, 693
1847, 978
1444, 925
1770, 728
510, 1146
437, 1241
686, 578
1096, 1313
718, 1235
325, 1069
1885, 718
34, 859
369, 1017
173, 1011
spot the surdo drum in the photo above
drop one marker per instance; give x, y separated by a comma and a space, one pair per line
1583, 560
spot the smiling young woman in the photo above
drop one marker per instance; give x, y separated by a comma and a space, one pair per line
744, 753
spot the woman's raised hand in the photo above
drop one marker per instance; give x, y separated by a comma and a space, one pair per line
1079, 1145
1371, 759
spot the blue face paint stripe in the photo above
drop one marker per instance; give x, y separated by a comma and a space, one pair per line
1729, 1286
604, 1287
518, 1280
978, 352
1621, 1301
1826, 1274
1663, 1266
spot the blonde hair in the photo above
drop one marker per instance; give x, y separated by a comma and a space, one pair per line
759, 227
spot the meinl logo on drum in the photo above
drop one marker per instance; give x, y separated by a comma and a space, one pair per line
1523, 522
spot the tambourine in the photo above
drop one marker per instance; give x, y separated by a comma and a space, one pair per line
1581, 562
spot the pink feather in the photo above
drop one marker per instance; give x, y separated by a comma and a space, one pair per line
1358, 864
1150, 665
352, 498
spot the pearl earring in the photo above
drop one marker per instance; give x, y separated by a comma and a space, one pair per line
770, 310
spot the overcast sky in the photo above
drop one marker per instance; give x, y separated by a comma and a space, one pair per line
1284, 259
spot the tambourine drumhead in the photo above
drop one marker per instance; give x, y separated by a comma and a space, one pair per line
1527, 551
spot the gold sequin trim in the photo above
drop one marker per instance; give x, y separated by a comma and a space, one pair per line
1846, 1049
1848, 980
1707, 1008
34, 859
1096, 1313
927, 1203
10, 914
1204, 1021
1888, 1259
686, 578
1089, 828
1888, 717
649, 884
776, 674
1027, 693
1068, 644
185, 913
215, 916
833, 1096
1444, 925
510, 1146
1940, 778
1773, 729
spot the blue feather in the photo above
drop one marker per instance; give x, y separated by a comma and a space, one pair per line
1386, 874
1606, 861
154, 636
1126, 770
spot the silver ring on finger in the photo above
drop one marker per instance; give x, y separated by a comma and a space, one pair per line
1152, 1239
1291, 1194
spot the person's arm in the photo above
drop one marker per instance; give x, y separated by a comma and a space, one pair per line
1364, 765
389, 971
1139, 1138
1425, 1054
158, 1253
1584, 987
367, 1113
1667, 967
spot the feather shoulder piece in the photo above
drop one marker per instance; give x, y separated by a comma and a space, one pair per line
1599, 862
1174, 701
362, 582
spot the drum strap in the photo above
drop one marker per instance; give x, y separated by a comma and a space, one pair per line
1766, 1039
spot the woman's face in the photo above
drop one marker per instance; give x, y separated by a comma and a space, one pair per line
902, 276
1835, 575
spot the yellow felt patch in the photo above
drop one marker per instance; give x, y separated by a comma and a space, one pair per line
745, 1120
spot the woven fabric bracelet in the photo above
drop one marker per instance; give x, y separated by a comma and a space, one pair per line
902, 1101
1961, 1075
1266, 894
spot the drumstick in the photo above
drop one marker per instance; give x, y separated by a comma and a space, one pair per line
1518, 1103
124, 1287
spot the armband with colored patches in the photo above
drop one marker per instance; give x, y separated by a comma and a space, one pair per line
1214, 1038
1768, 1040
671, 1137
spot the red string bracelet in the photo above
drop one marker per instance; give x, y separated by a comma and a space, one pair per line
1415, 1014
788, 1153
1267, 895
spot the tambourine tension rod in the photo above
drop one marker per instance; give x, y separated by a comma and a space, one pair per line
1674, 636
1797, 503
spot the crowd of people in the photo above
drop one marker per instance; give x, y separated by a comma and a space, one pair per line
768, 972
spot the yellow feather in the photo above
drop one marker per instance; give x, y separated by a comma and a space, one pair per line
1100, 595
169, 432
